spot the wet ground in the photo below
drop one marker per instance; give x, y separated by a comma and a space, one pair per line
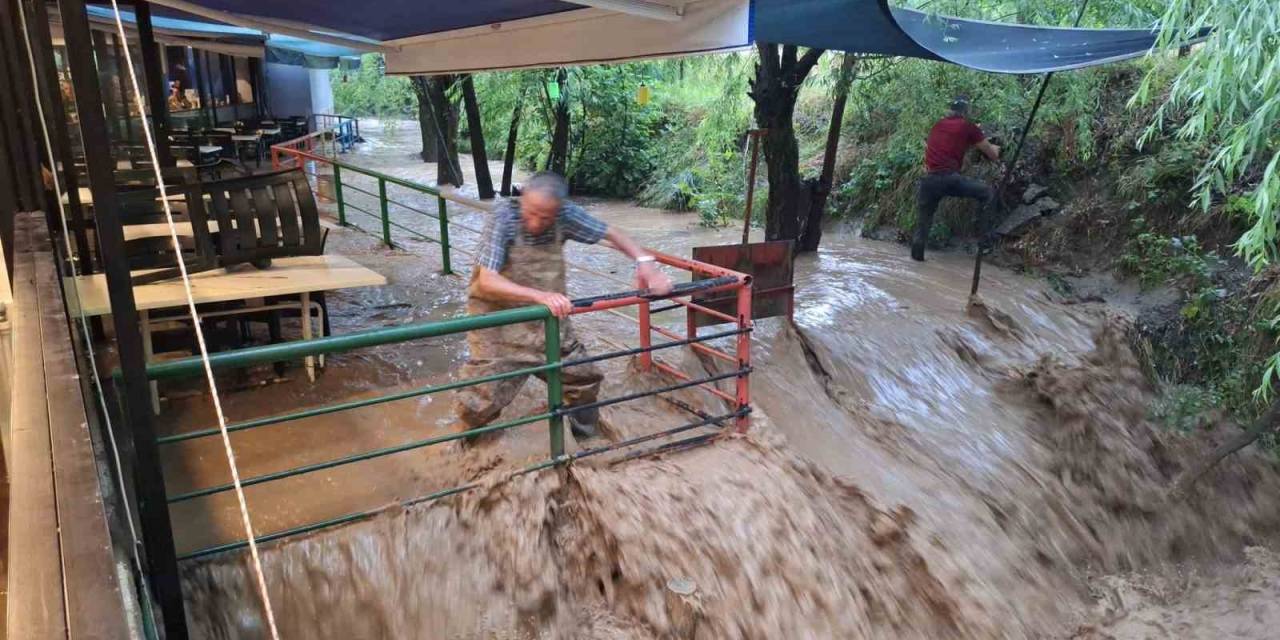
930, 468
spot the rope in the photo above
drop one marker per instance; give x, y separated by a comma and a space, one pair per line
75, 272
200, 341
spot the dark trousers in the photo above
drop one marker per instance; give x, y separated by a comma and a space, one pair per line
936, 186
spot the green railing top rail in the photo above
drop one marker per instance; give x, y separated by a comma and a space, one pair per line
284, 148
190, 367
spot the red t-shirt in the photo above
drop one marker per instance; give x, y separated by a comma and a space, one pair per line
948, 141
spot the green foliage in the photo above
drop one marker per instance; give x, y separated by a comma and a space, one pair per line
1155, 259
1227, 95
368, 91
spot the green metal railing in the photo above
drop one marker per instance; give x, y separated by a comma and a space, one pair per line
344, 187
551, 370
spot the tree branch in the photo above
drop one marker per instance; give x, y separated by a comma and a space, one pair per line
805, 65
1267, 422
788, 58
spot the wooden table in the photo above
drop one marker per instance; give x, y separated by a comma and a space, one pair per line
161, 229
300, 276
181, 163
86, 196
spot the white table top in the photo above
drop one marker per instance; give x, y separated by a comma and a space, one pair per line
86, 196
225, 129
210, 148
181, 163
275, 131
247, 137
286, 276
161, 229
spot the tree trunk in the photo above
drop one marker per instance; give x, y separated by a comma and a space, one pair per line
1266, 423
484, 183
445, 121
811, 236
774, 91
558, 159
426, 120
509, 160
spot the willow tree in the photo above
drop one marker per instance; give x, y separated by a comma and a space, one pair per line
1227, 96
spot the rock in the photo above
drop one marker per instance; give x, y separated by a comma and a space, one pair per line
1019, 220
1034, 192
1047, 206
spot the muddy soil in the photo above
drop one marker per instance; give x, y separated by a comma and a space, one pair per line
920, 465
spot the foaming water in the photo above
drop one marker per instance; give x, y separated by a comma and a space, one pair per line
922, 466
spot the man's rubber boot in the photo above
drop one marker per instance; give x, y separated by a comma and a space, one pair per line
917, 252
585, 424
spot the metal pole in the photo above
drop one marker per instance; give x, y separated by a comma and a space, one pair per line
22, 139
646, 336
743, 386
386, 215
1007, 180
337, 193
555, 389
121, 79
51, 93
157, 93
444, 235
162, 566
751, 182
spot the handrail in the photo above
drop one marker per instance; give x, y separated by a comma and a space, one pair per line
294, 350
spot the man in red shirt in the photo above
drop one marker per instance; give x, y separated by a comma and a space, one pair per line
944, 153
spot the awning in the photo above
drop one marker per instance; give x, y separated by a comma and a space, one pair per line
585, 36
873, 27
445, 37
178, 29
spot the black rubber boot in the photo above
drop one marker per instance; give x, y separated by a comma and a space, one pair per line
583, 424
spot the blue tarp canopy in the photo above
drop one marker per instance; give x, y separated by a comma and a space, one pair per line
873, 27
447, 36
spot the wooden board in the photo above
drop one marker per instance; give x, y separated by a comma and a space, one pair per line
94, 602
36, 608
286, 276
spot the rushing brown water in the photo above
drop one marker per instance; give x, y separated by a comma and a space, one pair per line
920, 467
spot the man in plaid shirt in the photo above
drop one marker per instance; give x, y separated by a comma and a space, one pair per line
521, 262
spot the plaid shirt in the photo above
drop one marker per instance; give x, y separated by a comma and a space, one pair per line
501, 229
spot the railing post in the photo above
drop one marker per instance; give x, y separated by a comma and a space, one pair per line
337, 193
444, 235
555, 390
275, 159
744, 358
386, 216
646, 337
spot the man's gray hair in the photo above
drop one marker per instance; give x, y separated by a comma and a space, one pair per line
549, 183
960, 104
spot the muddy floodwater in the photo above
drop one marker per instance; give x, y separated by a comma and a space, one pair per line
919, 466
